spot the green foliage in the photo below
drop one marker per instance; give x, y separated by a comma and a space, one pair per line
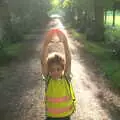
112, 34
84, 4
105, 3
23, 16
111, 70
98, 49
116, 78
75, 34
13, 49
10, 52
110, 13
109, 66
88, 5
112, 39
109, 20
55, 3
67, 3
12, 32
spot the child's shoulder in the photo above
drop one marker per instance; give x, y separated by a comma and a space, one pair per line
68, 77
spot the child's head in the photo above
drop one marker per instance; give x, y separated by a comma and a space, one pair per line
56, 65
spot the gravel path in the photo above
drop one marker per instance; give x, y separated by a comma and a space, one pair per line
22, 89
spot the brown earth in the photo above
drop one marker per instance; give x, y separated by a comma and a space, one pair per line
22, 88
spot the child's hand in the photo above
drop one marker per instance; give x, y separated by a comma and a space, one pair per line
61, 36
49, 35
59, 33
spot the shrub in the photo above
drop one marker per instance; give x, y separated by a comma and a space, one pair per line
13, 30
112, 39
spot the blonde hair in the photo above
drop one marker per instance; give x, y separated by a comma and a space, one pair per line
55, 58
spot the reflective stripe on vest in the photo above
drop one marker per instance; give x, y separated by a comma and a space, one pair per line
59, 110
58, 100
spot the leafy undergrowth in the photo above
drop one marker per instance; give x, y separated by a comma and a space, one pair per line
109, 65
10, 52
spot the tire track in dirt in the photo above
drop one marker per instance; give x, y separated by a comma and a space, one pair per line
92, 92
22, 89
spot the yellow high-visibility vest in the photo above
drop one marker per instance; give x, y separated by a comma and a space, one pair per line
59, 98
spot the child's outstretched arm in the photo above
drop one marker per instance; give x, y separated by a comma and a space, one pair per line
44, 53
63, 38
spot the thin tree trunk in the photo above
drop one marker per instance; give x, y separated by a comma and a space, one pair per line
105, 15
99, 21
113, 17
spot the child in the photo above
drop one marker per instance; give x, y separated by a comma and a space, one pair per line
59, 93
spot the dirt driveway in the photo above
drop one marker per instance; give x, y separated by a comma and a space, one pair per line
22, 89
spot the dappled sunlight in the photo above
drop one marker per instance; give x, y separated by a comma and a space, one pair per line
22, 89
88, 107
85, 81
87, 104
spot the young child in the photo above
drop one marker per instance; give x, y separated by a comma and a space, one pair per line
59, 96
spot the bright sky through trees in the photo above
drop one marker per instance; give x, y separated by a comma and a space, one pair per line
55, 2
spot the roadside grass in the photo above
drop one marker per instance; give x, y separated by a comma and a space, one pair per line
10, 52
109, 20
109, 66
16, 51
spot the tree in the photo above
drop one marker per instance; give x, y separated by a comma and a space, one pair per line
23, 15
94, 9
116, 6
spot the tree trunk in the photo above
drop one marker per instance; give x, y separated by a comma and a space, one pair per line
113, 17
4, 17
99, 21
105, 15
